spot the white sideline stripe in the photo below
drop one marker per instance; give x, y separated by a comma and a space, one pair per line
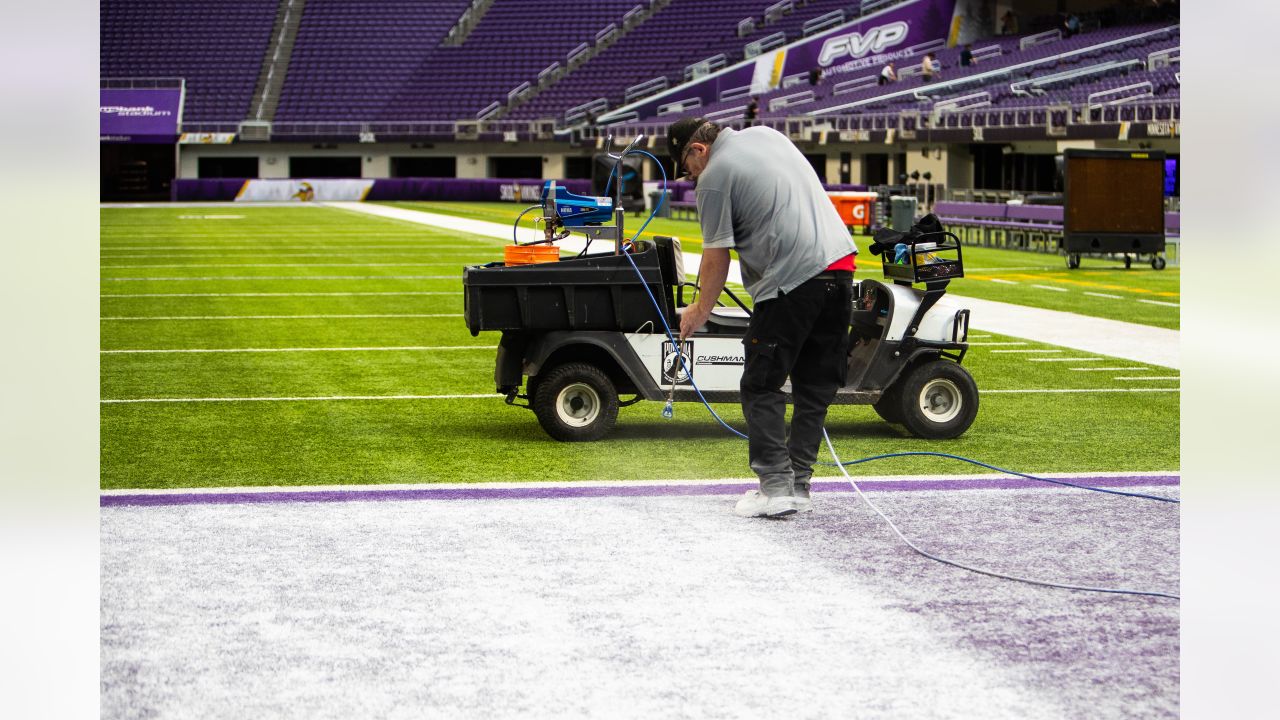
285, 277
991, 344
266, 249
1111, 369
1050, 287
493, 396
406, 348
1010, 269
342, 254
979, 336
1103, 295
274, 317
1063, 359
1166, 377
1027, 351
280, 265
1159, 302
1084, 390
1003, 282
293, 294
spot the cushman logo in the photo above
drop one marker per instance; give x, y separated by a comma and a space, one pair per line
855, 45
719, 360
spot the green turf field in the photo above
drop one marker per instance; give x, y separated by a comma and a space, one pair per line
341, 313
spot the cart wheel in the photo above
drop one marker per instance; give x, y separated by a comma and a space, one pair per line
1157, 262
939, 400
576, 403
1128, 261
889, 406
1073, 261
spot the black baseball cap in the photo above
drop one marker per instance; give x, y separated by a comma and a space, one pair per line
678, 135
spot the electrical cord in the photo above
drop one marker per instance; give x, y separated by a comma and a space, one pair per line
971, 568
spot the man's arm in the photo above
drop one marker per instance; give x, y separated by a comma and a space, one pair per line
712, 273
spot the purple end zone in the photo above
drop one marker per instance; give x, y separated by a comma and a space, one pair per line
481, 492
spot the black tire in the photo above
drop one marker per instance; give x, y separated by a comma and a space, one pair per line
1158, 262
1073, 261
889, 406
939, 400
575, 402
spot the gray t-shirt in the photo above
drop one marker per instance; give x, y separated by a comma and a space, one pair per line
759, 195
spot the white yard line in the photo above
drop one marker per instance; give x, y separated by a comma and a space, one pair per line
1153, 377
1042, 350
1082, 390
1050, 287
1103, 295
495, 396
407, 348
279, 294
993, 344
279, 265
1004, 282
267, 249
491, 396
1159, 302
278, 317
284, 277
1111, 369
1095, 359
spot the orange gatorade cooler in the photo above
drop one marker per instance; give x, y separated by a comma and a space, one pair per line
855, 208
530, 254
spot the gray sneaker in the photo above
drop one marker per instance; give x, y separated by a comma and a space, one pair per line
757, 504
801, 500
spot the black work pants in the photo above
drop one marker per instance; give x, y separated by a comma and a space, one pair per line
803, 334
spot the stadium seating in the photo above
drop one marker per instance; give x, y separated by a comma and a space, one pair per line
217, 46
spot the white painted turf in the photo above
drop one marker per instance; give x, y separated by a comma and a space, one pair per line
635, 608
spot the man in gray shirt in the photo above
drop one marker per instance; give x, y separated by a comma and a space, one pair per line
758, 195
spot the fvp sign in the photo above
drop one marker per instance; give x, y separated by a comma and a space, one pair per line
859, 44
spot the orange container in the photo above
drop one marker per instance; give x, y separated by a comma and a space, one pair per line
855, 208
530, 254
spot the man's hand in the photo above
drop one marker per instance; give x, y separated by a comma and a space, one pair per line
692, 318
712, 272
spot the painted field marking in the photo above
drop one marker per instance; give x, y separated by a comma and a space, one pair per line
285, 277
1158, 302
1026, 351
1103, 295
280, 294
211, 217
1050, 287
280, 265
1003, 282
1063, 359
979, 336
1151, 377
1082, 390
1007, 269
278, 317
1111, 369
266, 249
992, 344
406, 348
341, 254
493, 396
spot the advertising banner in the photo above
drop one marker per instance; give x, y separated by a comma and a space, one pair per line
139, 115
854, 49
303, 190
